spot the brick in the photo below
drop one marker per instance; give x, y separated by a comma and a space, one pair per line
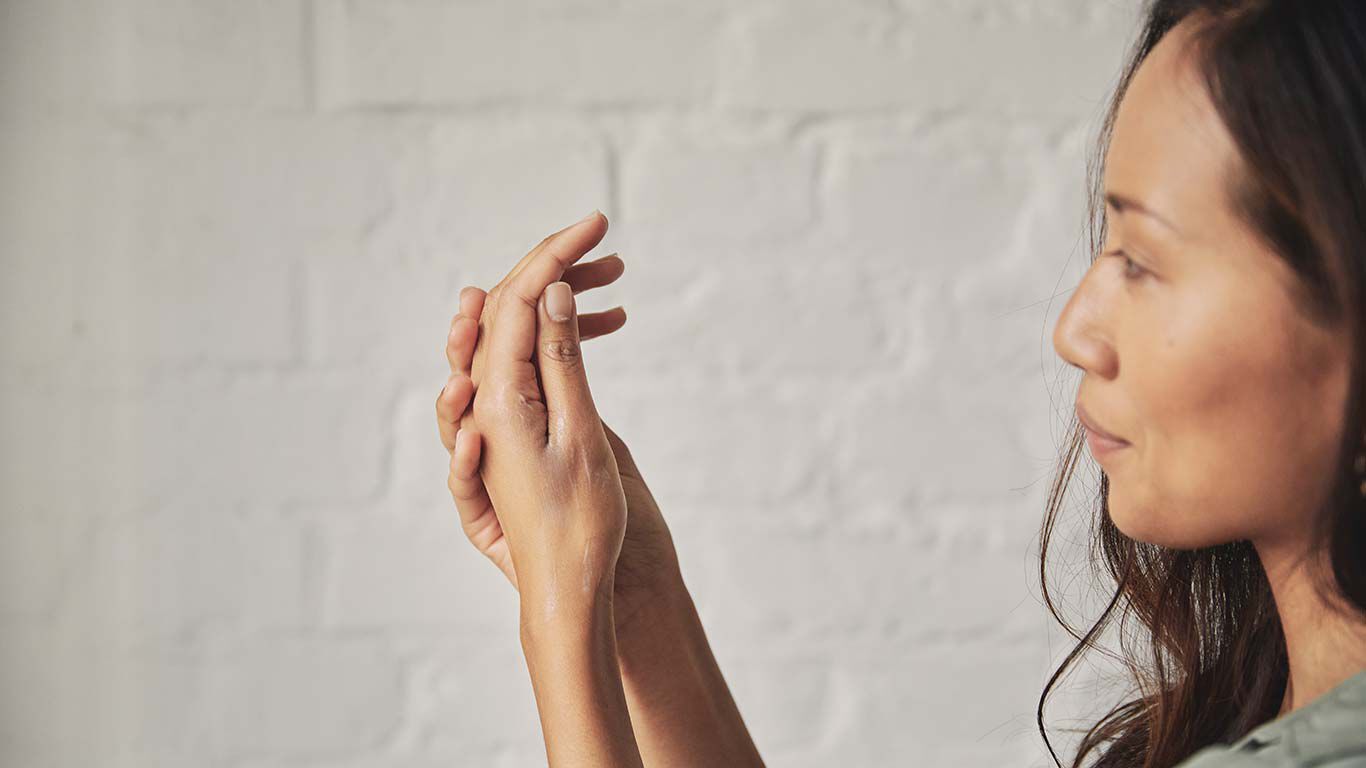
784, 697
811, 317
39, 556
51, 167
478, 698
169, 576
219, 53
55, 55
87, 699
913, 204
935, 705
304, 697
191, 445
836, 60
425, 53
262, 188
467, 200
75, 56
923, 579
192, 307
898, 432
816, 59
43, 469
412, 574
712, 438
265, 443
703, 190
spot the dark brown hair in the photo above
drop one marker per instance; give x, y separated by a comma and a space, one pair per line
1288, 79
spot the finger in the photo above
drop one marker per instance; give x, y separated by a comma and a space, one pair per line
464, 336
626, 464
596, 324
451, 405
467, 487
569, 404
594, 274
460, 343
530, 255
513, 334
591, 326
472, 301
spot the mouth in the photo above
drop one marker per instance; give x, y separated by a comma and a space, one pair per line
1093, 431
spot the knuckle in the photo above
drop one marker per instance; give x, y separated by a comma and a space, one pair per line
504, 401
518, 290
564, 350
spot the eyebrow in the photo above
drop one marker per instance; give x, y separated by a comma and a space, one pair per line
1123, 203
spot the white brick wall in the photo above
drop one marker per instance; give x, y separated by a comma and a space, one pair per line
232, 236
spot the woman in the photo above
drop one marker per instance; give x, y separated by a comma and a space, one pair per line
1220, 337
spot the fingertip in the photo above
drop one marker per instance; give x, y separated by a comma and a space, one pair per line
559, 301
465, 457
471, 300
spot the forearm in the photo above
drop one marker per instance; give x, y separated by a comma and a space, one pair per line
572, 658
681, 709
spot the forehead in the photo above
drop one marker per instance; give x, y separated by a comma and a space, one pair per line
1170, 150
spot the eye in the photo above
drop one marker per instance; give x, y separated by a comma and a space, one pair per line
1132, 270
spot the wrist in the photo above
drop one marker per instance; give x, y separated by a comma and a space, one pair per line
564, 615
662, 625
642, 598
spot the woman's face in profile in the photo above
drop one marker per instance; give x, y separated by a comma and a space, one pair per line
1194, 353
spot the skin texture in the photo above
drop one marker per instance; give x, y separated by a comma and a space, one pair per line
648, 564
1195, 353
619, 661
548, 470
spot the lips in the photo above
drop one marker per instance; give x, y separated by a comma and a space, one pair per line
1092, 428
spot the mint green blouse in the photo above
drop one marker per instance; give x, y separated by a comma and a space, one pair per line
1328, 732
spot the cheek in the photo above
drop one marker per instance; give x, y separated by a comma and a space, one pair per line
1231, 441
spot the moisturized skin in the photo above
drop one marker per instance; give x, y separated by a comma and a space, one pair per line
619, 661
1195, 353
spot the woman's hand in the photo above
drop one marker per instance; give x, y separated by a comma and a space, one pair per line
549, 471
455, 422
680, 709
647, 568
547, 466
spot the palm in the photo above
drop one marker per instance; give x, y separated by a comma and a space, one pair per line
486, 533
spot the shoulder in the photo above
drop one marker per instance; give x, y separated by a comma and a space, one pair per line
1222, 756
1328, 732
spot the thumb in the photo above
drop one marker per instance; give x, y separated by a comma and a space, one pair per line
569, 404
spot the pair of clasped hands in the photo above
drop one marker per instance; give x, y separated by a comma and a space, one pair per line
543, 487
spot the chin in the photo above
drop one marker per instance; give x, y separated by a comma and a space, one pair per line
1158, 525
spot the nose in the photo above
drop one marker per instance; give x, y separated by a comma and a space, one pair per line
1082, 336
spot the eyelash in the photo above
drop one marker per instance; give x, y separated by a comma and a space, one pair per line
1129, 263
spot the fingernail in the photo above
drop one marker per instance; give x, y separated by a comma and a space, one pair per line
589, 216
559, 301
